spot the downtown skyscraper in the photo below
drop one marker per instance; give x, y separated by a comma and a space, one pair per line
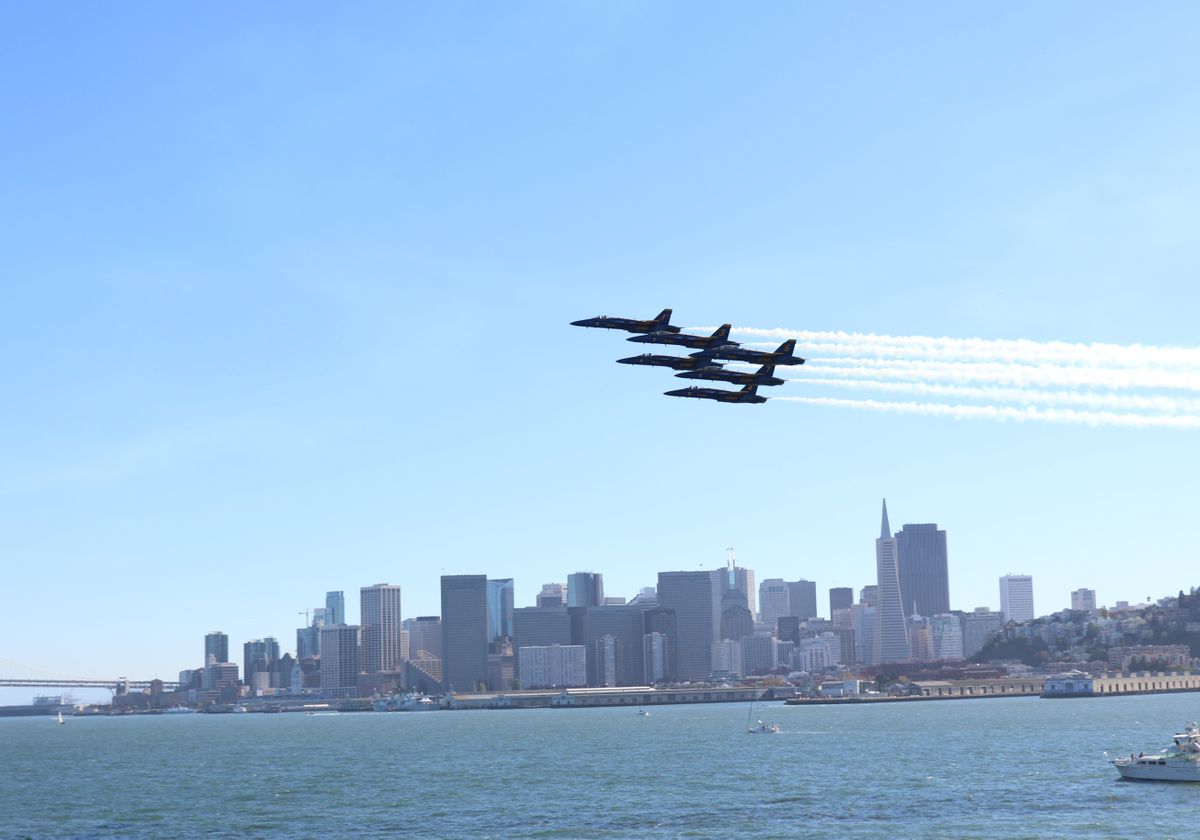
695, 598
922, 560
381, 628
1016, 598
464, 631
891, 627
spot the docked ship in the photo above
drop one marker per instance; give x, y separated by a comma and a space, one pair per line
1178, 763
406, 703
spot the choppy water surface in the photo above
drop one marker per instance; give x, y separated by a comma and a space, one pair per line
1014, 767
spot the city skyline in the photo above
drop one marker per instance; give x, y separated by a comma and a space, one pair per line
380, 616
288, 301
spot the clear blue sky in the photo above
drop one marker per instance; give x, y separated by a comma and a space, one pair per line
285, 292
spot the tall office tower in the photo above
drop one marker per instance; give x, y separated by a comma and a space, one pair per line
1016, 597
308, 642
604, 655
787, 629
736, 620
552, 595
774, 600
320, 617
623, 625
696, 599
424, 636
539, 627
891, 627
335, 607
500, 608
977, 628
656, 657
259, 657
339, 660
216, 645
864, 619
661, 621
924, 577
840, 598
803, 596
1083, 599
464, 631
585, 589
738, 578
381, 628
868, 596
946, 630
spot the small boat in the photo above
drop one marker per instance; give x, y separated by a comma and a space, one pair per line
60, 719
179, 710
1178, 763
759, 728
643, 713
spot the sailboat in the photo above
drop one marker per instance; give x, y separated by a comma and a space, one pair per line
758, 727
60, 717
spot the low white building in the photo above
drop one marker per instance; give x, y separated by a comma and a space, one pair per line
553, 666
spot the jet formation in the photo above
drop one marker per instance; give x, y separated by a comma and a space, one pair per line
706, 362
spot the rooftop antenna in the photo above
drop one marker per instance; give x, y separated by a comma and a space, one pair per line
729, 566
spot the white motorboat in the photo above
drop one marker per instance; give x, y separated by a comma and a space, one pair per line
1178, 763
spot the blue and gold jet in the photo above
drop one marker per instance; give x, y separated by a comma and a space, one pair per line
763, 377
660, 324
746, 395
783, 356
706, 344
695, 362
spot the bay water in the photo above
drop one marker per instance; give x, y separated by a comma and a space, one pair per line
1005, 767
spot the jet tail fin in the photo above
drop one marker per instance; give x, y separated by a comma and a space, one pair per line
664, 317
722, 332
787, 348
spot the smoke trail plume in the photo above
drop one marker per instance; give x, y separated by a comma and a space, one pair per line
1134, 386
1022, 414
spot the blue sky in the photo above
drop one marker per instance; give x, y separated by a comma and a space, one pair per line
285, 293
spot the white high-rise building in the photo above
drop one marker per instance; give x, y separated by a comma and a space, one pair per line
774, 601
1083, 599
382, 639
1016, 598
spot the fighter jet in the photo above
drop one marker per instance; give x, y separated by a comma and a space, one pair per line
764, 376
782, 356
696, 362
661, 324
707, 344
746, 395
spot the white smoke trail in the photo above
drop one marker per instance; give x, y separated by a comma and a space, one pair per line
998, 373
980, 349
1135, 386
1090, 400
995, 412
